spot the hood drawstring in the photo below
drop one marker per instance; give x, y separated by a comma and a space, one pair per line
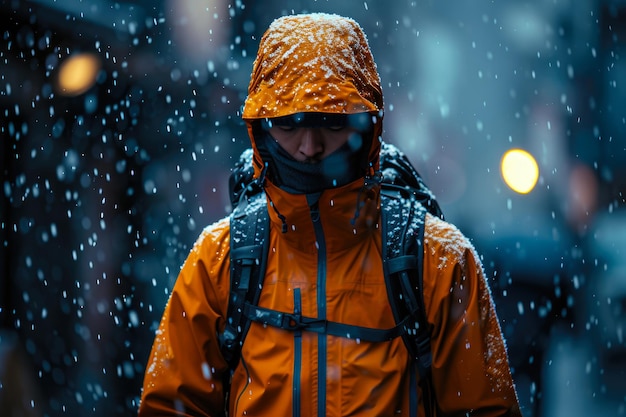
371, 180
282, 218
262, 175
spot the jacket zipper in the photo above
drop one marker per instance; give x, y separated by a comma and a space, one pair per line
297, 355
313, 201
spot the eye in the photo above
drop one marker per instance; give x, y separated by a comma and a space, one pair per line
285, 128
336, 128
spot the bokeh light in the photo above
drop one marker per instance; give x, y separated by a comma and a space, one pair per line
519, 170
78, 74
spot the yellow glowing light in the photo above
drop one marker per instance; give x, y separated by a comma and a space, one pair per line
78, 74
519, 170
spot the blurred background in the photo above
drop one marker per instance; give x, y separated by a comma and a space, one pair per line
119, 123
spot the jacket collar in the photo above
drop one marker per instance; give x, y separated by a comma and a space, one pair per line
346, 214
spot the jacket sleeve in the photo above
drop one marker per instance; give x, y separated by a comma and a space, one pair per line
470, 370
183, 375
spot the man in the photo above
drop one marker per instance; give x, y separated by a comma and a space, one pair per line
314, 116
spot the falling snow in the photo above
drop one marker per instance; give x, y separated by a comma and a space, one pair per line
107, 190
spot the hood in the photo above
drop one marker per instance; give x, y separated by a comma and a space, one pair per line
314, 63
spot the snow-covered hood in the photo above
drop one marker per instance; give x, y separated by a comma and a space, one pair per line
314, 63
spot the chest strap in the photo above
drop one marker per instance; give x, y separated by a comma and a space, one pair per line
293, 322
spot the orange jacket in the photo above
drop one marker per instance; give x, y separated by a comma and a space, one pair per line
322, 63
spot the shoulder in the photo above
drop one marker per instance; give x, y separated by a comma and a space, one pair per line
446, 240
207, 264
214, 235
454, 278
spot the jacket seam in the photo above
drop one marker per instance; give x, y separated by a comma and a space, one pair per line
321, 312
243, 389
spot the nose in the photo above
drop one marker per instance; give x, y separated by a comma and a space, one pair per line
311, 144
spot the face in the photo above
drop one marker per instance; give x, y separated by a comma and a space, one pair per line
311, 144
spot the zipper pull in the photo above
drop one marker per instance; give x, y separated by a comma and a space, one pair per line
313, 202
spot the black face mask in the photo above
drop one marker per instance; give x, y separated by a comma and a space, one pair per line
346, 164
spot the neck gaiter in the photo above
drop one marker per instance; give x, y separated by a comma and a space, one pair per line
343, 166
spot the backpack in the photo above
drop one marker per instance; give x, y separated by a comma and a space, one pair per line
405, 199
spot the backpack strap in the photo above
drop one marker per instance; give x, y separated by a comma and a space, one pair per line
403, 223
249, 231
403, 233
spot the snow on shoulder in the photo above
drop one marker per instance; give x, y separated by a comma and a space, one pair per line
214, 232
446, 237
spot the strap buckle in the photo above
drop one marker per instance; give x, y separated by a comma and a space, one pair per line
292, 321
